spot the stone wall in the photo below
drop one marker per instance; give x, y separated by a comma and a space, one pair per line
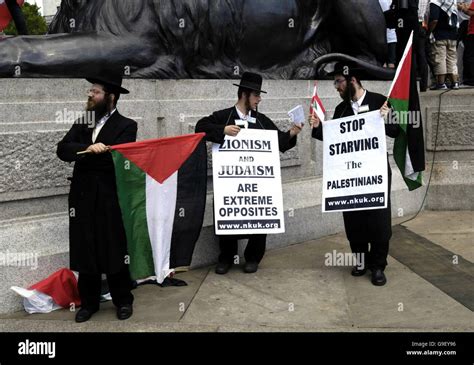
34, 185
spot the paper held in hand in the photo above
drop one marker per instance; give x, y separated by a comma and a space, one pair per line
297, 115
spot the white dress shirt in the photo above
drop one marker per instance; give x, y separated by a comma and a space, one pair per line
356, 104
242, 115
100, 124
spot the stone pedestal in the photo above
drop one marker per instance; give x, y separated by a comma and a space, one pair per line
34, 185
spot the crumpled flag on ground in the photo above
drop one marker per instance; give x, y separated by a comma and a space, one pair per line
57, 291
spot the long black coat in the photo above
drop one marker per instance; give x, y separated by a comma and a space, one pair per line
367, 225
96, 234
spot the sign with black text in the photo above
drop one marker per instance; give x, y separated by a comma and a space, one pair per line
355, 175
248, 196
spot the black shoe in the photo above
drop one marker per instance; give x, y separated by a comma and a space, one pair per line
378, 277
250, 267
222, 268
172, 282
124, 311
358, 272
84, 315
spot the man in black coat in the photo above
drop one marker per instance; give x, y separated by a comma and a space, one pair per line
222, 123
363, 226
97, 237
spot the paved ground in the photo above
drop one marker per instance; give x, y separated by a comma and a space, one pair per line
430, 288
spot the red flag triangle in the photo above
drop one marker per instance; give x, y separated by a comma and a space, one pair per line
160, 158
400, 88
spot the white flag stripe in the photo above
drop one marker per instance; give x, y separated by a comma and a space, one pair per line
410, 173
160, 210
319, 112
319, 108
402, 61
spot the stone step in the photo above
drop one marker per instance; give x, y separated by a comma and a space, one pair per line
22, 90
59, 115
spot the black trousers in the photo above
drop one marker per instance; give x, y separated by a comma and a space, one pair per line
376, 258
421, 59
407, 21
17, 16
120, 286
468, 60
253, 252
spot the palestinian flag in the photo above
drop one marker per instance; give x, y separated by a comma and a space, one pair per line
408, 149
5, 16
57, 291
161, 187
316, 105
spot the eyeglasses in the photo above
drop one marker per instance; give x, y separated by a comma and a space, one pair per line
337, 82
95, 92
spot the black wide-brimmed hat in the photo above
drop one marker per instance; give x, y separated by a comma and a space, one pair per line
113, 83
251, 81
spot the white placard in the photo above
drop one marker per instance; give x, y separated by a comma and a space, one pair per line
355, 175
248, 196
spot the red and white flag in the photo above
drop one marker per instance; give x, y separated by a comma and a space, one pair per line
316, 105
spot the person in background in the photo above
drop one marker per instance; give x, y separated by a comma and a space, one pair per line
442, 29
17, 16
391, 37
468, 57
405, 21
463, 19
421, 49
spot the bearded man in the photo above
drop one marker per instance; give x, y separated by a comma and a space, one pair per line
96, 236
363, 227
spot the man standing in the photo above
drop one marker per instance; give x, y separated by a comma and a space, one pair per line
364, 226
442, 27
97, 237
222, 123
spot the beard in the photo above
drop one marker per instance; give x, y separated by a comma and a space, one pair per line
247, 105
349, 92
96, 111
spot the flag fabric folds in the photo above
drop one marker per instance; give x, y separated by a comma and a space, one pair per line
408, 150
59, 290
161, 187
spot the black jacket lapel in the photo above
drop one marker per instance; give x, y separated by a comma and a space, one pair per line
110, 130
